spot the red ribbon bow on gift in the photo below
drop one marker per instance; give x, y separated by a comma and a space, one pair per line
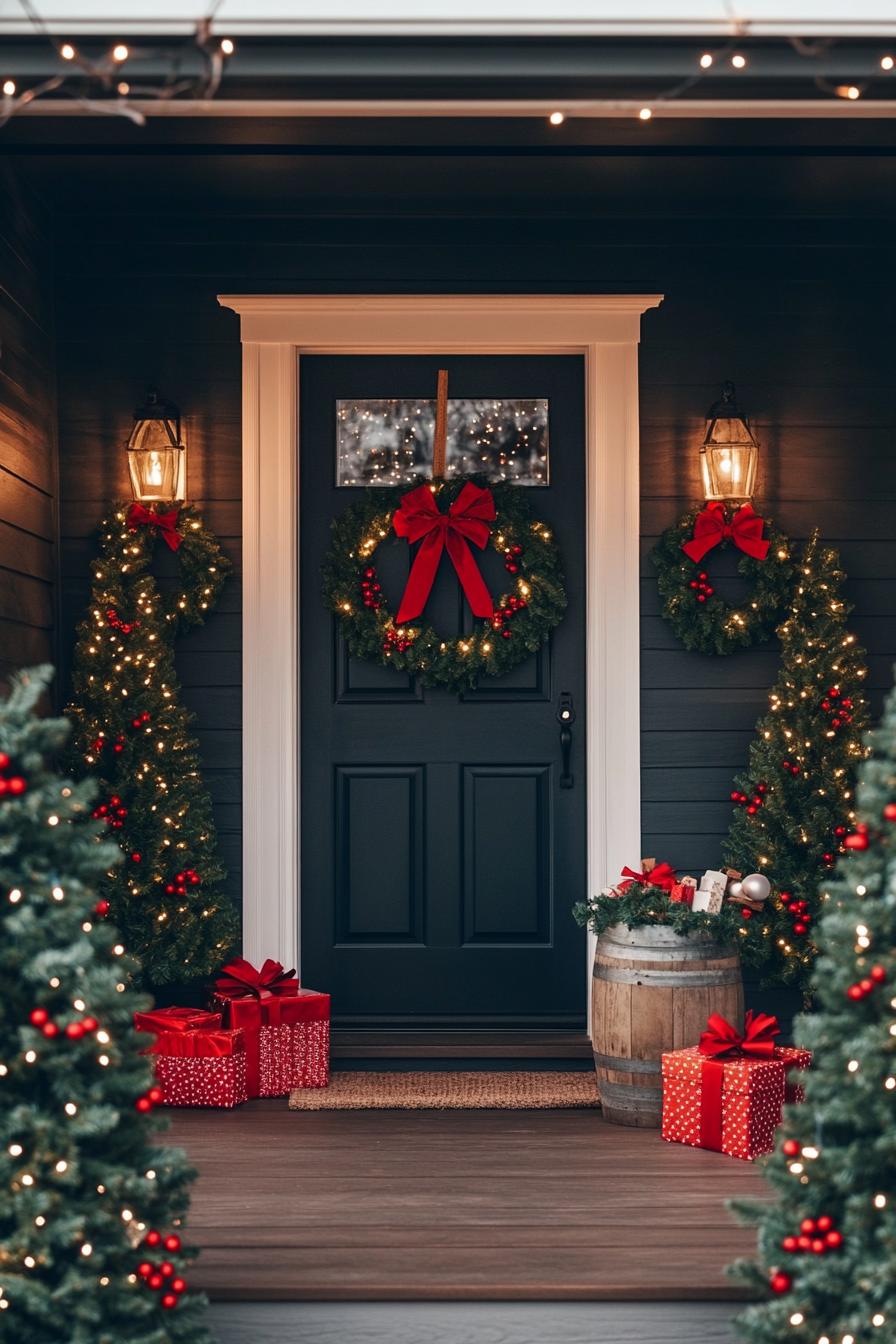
240, 980
660, 875
712, 527
166, 523
758, 1037
467, 520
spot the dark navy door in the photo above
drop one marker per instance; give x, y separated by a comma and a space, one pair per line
440, 856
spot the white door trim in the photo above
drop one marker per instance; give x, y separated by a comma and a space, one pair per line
276, 330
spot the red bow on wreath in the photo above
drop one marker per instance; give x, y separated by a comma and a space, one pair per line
418, 518
165, 522
712, 527
758, 1037
239, 979
653, 875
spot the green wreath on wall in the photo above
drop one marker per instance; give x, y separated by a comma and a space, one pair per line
703, 621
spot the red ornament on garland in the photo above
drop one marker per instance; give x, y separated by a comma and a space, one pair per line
890, 812
790, 1148
780, 1282
38, 1016
152, 1238
101, 908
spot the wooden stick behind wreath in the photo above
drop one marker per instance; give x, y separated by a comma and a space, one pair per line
440, 435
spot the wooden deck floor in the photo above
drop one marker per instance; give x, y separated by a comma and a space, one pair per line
471, 1205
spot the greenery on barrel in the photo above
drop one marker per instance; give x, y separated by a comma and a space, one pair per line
642, 904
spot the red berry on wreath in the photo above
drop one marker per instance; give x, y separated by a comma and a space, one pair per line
101, 908
702, 576
516, 550
701, 597
828, 858
746, 912
780, 1282
512, 568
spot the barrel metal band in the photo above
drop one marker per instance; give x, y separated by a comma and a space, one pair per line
630, 975
643, 1099
621, 1065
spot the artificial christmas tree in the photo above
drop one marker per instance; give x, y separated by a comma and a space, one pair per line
795, 805
91, 1219
828, 1246
134, 736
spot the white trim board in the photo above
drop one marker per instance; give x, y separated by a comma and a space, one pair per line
276, 330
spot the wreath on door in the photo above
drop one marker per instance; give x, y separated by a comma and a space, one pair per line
456, 516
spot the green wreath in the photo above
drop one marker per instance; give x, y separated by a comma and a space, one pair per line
523, 617
702, 620
127, 542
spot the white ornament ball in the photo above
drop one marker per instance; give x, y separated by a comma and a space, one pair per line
756, 886
736, 889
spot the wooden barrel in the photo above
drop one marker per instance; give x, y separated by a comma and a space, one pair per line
652, 990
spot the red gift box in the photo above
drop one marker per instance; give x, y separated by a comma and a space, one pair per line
731, 1105
287, 1029
197, 1061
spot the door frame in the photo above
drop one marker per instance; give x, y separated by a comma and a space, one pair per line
276, 330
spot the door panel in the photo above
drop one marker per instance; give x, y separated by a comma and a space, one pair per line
440, 858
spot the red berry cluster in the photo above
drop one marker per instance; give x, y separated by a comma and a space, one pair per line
162, 1278
394, 640
862, 988
751, 804
818, 1235
153, 1097
859, 838
511, 559
114, 812
101, 742
506, 613
791, 767
12, 785
141, 719
117, 623
837, 707
178, 886
83, 1026
371, 592
798, 912
702, 588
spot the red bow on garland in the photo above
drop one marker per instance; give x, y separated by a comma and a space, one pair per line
758, 1037
659, 875
712, 527
165, 522
240, 980
418, 518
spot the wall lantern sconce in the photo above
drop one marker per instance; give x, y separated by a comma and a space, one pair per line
157, 455
729, 453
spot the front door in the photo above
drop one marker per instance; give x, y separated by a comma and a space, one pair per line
440, 857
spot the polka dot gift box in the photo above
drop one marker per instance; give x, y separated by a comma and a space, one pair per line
727, 1093
197, 1061
287, 1028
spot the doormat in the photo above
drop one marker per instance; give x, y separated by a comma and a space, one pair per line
509, 1090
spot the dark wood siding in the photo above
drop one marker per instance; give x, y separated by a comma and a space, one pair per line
792, 310
28, 554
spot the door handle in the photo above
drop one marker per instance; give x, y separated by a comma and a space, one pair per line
566, 717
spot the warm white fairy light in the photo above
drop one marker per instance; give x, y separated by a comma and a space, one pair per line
30, 1056
887, 62
26, 1178
120, 52
645, 114
70, 1108
797, 1318
811, 1153
878, 1318
15, 1150
79, 1005
706, 60
53, 820
739, 61
61, 1165
9, 87
67, 51
853, 1066
557, 118
86, 1248
103, 1037
227, 46
880, 1201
